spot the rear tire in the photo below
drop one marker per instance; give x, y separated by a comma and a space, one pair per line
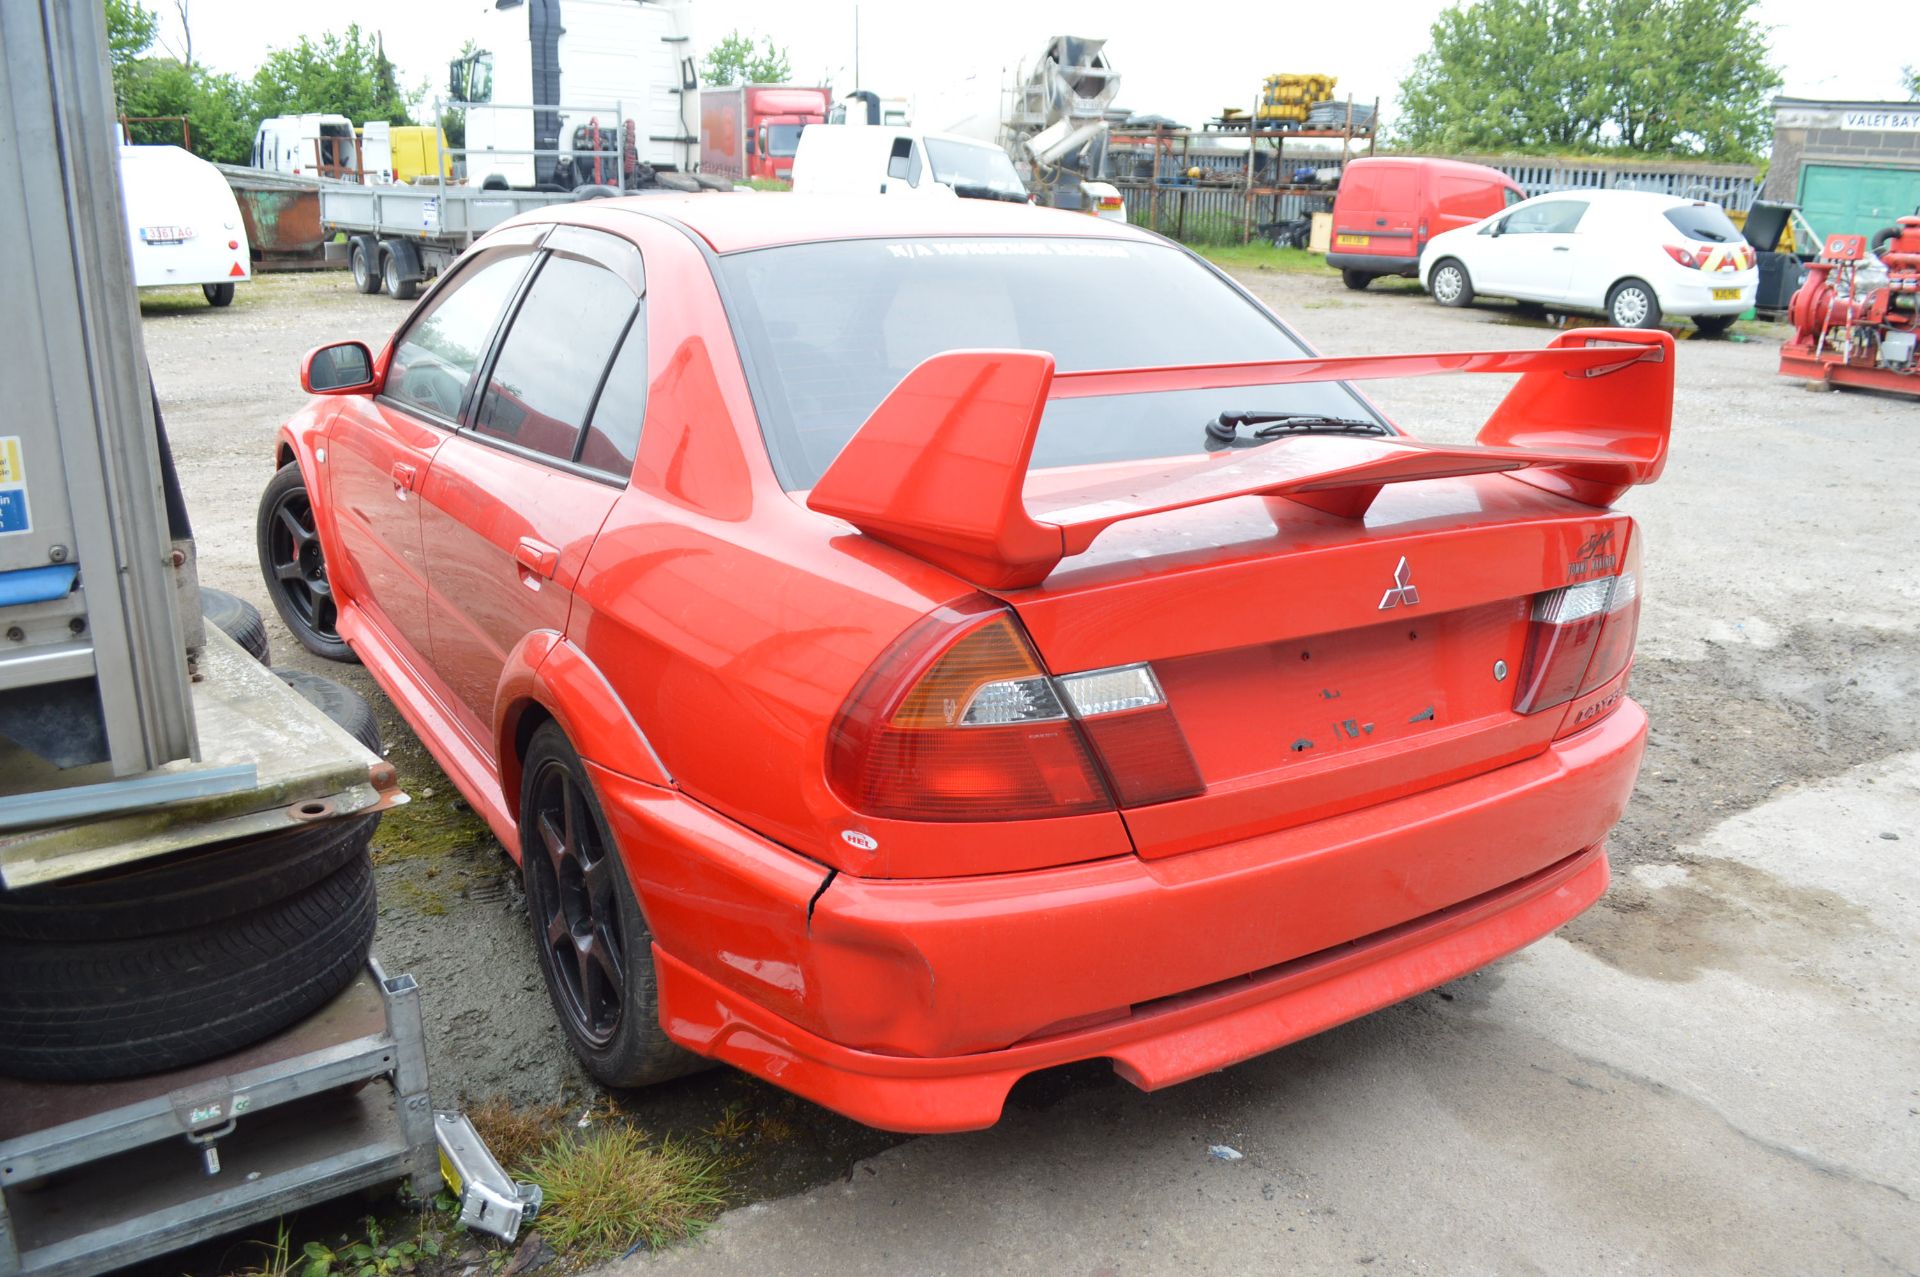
294, 566
1632, 303
1357, 280
363, 255
578, 893
1714, 325
1450, 284
399, 270
217, 294
236, 618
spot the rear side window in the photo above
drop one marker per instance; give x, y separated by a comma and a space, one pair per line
613, 433
1513, 196
554, 357
436, 359
1707, 222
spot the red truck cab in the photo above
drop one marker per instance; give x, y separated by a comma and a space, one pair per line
752, 130
1388, 207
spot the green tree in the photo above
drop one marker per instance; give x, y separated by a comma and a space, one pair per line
735, 60
342, 74
131, 28
1913, 82
219, 117
1649, 77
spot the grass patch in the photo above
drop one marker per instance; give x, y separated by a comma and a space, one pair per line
611, 1188
516, 1135
766, 184
1261, 255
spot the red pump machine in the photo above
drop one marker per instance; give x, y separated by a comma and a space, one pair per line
1851, 330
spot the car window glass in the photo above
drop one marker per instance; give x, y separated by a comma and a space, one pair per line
613, 433
1513, 196
828, 329
554, 355
1550, 217
435, 360
1707, 222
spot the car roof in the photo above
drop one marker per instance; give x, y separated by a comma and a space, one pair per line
1460, 168
1655, 200
759, 219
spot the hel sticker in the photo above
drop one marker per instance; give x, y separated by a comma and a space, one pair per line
14, 518
1008, 248
12, 468
855, 838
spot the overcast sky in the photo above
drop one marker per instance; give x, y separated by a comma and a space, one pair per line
1183, 60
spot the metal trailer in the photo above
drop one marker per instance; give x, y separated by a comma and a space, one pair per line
400, 236
129, 731
97, 1177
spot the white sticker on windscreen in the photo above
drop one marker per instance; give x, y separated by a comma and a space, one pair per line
1008, 248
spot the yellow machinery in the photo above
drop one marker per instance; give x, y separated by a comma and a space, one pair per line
1286, 99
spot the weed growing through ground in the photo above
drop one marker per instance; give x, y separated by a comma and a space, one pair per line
610, 1187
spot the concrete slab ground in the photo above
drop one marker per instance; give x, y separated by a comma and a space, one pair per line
1723, 1079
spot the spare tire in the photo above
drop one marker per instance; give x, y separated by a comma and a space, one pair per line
339, 702
676, 182
238, 619
194, 889
85, 1011
595, 191
713, 182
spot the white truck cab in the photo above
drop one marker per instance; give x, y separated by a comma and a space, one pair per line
857, 159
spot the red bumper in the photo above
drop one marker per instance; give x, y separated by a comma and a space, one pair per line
915, 1005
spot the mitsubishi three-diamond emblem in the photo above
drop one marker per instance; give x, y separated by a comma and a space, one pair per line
1403, 591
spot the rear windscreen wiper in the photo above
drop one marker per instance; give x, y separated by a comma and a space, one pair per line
1226, 427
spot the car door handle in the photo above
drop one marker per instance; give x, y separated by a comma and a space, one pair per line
1379, 221
403, 477
1561, 248
536, 557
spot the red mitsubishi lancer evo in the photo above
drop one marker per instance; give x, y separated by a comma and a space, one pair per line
909, 644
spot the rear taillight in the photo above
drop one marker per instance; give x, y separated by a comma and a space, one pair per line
1692, 258
961, 721
1581, 637
1112, 201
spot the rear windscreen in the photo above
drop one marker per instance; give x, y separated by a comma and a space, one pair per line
828, 329
1707, 222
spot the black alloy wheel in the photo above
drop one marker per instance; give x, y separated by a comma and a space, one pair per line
295, 566
596, 950
571, 895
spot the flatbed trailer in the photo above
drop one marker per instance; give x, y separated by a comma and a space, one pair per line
418, 228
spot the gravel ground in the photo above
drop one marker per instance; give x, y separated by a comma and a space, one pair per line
1776, 650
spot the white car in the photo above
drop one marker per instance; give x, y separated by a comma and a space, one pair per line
1633, 256
860, 159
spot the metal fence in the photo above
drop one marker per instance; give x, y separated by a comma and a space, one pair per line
1212, 214
1733, 186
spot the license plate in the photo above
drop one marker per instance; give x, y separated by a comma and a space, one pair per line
166, 234
1353, 241
1726, 294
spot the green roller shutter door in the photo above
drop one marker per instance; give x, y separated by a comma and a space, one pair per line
1841, 200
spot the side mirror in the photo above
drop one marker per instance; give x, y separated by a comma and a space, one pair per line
340, 369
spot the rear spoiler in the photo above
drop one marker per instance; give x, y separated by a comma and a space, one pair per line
939, 467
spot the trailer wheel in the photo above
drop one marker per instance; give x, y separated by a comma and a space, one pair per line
238, 619
363, 254
217, 294
83, 1011
400, 269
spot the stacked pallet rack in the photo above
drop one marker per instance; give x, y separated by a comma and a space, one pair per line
1347, 134
1167, 178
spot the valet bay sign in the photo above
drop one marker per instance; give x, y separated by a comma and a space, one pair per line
1882, 119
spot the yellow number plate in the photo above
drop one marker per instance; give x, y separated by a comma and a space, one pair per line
1353, 241
1726, 294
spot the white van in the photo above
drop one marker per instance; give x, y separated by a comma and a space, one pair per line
183, 224
312, 145
863, 159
